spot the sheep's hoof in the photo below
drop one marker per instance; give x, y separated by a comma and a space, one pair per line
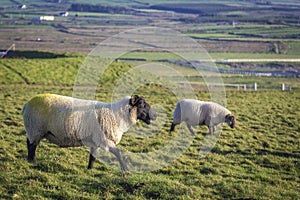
32, 160
125, 173
126, 170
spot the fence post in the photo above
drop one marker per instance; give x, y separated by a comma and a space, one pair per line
255, 86
282, 87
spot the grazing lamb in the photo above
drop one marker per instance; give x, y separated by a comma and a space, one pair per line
70, 122
195, 112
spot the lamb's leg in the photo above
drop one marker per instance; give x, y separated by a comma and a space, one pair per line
31, 147
191, 129
211, 130
117, 153
93, 153
172, 127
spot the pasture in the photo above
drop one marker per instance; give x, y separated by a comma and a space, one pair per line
260, 159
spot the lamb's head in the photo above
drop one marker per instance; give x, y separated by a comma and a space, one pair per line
230, 120
144, 111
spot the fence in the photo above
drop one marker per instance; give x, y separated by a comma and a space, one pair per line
4, 53
244, 87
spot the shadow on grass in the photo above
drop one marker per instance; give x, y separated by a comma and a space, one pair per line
277, 153
258, 152
36, 54
116, 185
50, 167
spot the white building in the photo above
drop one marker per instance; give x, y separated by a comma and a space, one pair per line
22, 6
46, 18
39, 19
64, 14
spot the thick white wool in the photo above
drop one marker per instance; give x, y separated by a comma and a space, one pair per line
67, 121
195, 112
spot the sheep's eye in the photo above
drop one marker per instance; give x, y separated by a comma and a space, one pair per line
141, 104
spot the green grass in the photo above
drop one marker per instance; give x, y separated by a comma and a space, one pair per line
250, 31
28, 26
7, 3
257, 160
294, 47
154, 56
58, 71
231, 55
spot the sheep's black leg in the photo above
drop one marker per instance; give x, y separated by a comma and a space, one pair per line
31, 151
172, 127
91, 161
93, 155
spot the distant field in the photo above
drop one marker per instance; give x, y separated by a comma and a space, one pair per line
258, 159
252, 56
170, 55
33, 68
223, 26
7, 3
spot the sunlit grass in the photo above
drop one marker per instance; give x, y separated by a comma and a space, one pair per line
258, 159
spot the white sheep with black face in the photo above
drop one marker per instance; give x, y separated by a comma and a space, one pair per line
71, 122
195, 112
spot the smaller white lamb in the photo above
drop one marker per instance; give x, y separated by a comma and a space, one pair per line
195, 112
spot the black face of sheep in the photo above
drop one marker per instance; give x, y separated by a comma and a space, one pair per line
230, 120
144, 110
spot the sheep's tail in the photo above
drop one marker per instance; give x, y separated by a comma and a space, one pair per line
23, 109
177, 114
28, 122
25, 121
176, 117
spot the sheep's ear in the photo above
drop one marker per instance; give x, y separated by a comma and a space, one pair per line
133, 99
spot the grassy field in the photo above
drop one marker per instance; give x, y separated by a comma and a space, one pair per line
260, 159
